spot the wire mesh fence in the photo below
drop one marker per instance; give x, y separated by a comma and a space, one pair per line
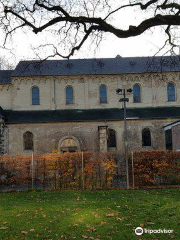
60, 171
89, 171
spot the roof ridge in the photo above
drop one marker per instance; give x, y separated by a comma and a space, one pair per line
98, 66
75, 59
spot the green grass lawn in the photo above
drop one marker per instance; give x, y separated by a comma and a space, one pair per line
89, 214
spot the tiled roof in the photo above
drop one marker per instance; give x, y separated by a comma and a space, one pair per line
5, 76
113, 114
98, 66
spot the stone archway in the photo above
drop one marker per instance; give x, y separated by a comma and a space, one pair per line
69, 144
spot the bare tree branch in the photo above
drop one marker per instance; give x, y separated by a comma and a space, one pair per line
84, 18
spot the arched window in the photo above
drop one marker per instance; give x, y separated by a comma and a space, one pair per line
146, 137
35, 96
136, 93
171, 92
103, 94
69, 95
28, 141
111, 142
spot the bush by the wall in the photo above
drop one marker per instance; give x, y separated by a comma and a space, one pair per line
157, 167
59, 171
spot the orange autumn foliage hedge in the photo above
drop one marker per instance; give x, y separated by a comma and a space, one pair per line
64, 171
157, 167
59, 171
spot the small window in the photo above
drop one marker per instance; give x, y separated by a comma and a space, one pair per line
28, 141
146, 138
171, 92
35, 96
103, 94
69, 95
111, 138
136, 93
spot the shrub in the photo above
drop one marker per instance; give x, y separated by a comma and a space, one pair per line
59, 171
157, 167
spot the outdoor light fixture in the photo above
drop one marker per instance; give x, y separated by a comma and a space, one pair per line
129, 90
118, 90
124, 99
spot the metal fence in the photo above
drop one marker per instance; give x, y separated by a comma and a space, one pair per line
62, 171
87, 170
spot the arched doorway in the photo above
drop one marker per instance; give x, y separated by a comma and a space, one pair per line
69, 144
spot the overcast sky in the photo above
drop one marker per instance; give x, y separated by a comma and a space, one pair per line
147, 44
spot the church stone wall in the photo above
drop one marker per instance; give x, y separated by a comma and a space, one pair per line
86, 91
176, 137
17, 96
48, 136
21, 94
6, 96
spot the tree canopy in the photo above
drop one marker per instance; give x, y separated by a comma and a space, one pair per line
4, 64
72, 22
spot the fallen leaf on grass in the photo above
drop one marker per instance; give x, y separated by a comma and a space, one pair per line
75, 225
111, 214
18, 215
84, 237
91, 230
24, 232
102, 223
3, 228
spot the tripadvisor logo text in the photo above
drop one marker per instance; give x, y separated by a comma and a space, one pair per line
140, 231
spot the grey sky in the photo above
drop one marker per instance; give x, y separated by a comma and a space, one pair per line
146, 44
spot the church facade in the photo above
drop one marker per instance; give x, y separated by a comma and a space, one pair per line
72, 105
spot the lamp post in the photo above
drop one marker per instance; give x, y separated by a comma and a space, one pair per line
124, 99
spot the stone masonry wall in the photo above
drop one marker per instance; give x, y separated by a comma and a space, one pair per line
176, 137
86, 91
48, 136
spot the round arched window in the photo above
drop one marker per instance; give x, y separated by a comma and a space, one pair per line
136, 93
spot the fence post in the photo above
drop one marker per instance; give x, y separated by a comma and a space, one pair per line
133, 170
32, 171
82, 158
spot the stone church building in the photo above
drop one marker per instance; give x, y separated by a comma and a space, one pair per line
72, 105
